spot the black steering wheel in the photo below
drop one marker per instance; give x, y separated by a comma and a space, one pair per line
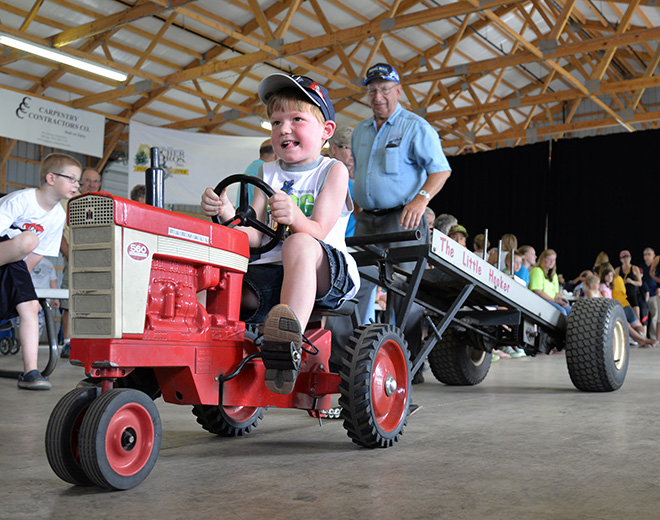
245, 215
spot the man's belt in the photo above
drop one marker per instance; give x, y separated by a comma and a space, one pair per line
380, 212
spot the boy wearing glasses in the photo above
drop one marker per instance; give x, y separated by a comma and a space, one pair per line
31, 222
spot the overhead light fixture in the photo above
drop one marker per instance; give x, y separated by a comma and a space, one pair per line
266, 125
60, 57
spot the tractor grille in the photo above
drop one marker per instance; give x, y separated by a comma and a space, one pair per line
93, 268
91, 211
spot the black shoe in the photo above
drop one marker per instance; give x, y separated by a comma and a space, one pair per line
33, 380
281, 349
66, 350
418, 378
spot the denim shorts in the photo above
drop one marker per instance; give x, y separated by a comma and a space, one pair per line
266, 281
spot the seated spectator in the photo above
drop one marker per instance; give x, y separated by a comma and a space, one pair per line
459, 234
430, 218
517, 263
444, 222
632, 278
606, 275
479, 247
576, 284
528, 261
543, 280
636, 329
509, 243
601, 259
139, 193
591, 287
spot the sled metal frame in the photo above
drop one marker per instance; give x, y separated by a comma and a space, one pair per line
461, 288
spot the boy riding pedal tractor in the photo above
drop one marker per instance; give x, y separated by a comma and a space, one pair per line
311, 267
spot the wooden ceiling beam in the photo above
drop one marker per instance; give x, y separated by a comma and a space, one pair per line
113, 21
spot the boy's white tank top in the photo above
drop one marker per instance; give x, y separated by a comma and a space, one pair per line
304, 183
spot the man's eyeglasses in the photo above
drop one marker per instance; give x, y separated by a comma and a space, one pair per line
89, 181
372, 91
72, 180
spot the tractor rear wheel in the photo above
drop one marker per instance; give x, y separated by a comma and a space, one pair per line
120, 439
228, 421
460, 358
62, 435
597, 345
375, 386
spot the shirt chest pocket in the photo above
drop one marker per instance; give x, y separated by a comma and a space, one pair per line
392, 159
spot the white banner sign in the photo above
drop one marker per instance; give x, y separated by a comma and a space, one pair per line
36, 120
192, 161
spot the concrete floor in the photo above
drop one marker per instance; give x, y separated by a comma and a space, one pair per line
523, 444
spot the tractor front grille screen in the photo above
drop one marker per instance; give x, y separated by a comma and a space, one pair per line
91, 210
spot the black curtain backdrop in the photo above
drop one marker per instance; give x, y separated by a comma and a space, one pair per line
598, 194
502, 190
603, 192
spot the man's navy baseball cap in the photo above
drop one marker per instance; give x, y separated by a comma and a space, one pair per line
315, 92
383, 71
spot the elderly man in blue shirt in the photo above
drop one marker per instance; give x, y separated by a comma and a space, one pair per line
399, 167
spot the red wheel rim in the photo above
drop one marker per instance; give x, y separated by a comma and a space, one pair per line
129, 439
390, 366
239, 413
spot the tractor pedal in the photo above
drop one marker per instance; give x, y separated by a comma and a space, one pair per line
281, 349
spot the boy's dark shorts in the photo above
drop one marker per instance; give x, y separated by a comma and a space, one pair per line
15, 287
266, 281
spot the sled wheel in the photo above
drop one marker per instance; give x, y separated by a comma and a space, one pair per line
120, 439
460, 358
245, 215
5, 345
597, 345
62, 435
375, 386
228, 421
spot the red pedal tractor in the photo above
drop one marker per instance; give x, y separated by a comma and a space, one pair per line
140, 332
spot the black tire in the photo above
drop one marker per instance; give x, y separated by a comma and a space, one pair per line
62, 435
5, 345
597, 345
120, 439
228, 421
460, 358
15, 347
375, 386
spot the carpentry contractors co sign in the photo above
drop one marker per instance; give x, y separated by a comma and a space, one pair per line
33, 119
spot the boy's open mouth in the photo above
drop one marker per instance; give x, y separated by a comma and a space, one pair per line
289, 144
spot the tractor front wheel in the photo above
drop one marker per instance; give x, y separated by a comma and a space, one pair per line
63, 433
120, 439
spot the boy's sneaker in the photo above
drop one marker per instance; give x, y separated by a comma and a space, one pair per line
281, 349
33, 380
66, 350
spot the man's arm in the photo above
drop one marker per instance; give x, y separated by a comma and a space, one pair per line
412, 213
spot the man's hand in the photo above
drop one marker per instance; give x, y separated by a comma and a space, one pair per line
412, 213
